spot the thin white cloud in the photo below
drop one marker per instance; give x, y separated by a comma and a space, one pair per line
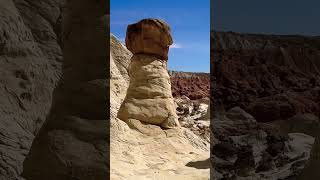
176, 46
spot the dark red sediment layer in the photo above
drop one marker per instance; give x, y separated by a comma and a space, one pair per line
193, 85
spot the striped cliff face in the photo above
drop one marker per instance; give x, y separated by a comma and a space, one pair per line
271, 77
193, 85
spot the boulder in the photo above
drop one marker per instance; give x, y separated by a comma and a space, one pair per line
149, 36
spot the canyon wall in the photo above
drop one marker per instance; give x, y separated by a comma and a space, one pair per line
271, 77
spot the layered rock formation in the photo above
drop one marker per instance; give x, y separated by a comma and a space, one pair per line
119, 77
149, 97
276, 80
271, 77
193, 85
167, 154
155, 153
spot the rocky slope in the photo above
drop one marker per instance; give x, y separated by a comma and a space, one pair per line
271, 77
243, 148
195, 115
166, 154
275, 79
193, 85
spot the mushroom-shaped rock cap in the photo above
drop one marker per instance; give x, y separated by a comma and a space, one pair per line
149, 36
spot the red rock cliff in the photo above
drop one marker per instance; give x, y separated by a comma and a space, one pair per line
192, 85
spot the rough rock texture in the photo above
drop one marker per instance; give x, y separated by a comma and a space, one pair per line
276, 80
119, 79
149, 36
73, 142
30, 67
308, 124
149, 97
193, 85
242, 148
167, 154
195, 115
271, 77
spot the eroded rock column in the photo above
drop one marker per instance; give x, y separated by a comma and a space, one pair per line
149, 97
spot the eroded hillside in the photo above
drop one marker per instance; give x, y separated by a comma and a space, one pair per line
266, 94
271, 77
193, 85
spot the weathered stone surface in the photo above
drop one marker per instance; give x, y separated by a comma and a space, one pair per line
149, 36
73, 143
244, 149
193, 85
271, 77
194, 115
149, 97
276, 80
30, 68
119, 79
161, 154
121, 57
308, 124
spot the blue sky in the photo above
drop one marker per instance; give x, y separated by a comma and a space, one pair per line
271, 16
190, 25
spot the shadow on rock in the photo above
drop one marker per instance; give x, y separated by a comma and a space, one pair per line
199, 164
